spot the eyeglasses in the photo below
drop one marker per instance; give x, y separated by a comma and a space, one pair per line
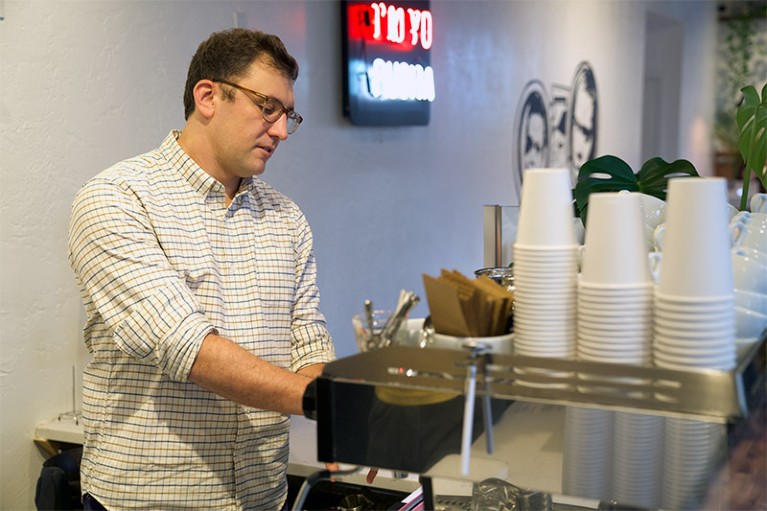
271, 108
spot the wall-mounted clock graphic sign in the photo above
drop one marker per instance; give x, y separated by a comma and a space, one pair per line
558, 129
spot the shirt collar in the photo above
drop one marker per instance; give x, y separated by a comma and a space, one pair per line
198, 179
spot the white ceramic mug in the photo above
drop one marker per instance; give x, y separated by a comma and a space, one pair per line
759, 203
748, 323
653, 209
737, 229
756, 255
748, 274
655, 259
731, 210
750, 218
756, 302
746, 234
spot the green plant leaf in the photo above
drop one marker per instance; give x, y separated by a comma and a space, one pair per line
603, 174
654, 175
611, 174
752, 138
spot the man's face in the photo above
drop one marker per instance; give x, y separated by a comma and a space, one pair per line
243, 140
534, 142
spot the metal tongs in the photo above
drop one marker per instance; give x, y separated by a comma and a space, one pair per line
384, 338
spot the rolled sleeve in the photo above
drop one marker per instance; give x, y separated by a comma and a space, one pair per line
131, 285
311, 340
166, 327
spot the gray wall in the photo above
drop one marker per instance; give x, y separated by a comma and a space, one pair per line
84, 84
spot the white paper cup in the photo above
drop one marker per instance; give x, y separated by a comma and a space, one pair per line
539, 252
546, 210
638, 459
724, 333
615, 250
696, 260
587, 452
630, 317
691, 314
631, 348
694, 303
695, 326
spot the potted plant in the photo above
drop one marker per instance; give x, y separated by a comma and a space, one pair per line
611, 174
752, 137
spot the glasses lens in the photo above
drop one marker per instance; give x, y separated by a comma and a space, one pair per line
293, 121
271, 109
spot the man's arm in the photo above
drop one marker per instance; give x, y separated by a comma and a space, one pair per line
313, 371
224, 367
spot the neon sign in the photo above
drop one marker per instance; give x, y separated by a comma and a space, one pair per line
388, 78
419, 22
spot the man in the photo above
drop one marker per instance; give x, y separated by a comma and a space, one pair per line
199, 282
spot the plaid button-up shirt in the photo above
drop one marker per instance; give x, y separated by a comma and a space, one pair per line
162, 262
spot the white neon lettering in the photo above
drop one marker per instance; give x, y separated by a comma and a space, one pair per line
417, 23
396, 24
379, 11
426, 29
400, 81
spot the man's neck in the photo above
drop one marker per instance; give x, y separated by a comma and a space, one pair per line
198, 148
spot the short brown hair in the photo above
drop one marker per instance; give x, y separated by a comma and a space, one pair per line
228, 54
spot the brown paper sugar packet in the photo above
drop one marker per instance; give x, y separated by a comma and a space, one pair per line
475, 307
503, 301
445, 307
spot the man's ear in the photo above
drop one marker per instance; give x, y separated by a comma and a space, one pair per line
204, 98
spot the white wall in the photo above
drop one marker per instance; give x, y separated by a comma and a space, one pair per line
84, 84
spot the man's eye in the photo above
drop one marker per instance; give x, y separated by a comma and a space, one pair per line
270, 108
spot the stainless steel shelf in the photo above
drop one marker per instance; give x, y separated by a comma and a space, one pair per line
716, 396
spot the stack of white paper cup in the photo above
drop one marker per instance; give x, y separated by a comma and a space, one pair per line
615, 325
698, 449
694, 323
615, 288
587, 452
695, 298
545, 256
637, 459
